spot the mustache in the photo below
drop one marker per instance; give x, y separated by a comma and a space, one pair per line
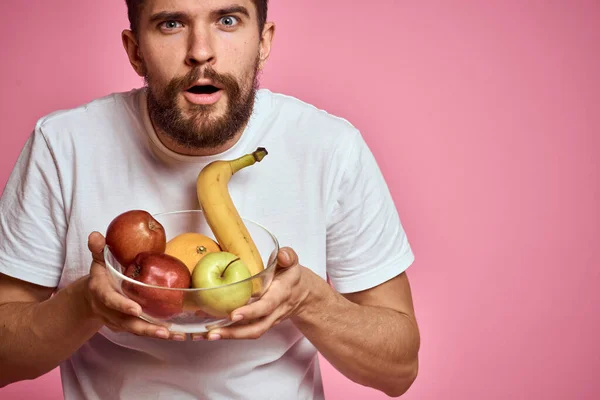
184, 82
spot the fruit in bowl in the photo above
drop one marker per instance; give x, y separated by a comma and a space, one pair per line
190, 247
133, 232
204, 305
208, 263
222, 269
157, 269
221, 214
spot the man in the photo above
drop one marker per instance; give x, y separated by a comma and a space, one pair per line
319, 190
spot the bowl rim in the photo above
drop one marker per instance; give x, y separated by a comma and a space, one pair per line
266, 270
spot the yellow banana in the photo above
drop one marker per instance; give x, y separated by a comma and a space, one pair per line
221, 214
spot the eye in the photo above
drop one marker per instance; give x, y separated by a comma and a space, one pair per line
170, 25
229, 21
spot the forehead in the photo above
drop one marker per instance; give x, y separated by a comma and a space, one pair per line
195, 6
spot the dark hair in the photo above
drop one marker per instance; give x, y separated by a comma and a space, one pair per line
134, 9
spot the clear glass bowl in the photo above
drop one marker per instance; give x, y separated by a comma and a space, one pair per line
186, 310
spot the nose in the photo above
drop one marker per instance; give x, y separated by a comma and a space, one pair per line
201, 48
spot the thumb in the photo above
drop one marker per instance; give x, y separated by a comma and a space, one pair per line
287, 257
96, 245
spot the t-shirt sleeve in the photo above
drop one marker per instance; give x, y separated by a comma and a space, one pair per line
32, 216
366, 242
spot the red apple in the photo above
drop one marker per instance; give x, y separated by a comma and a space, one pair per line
133, 232
157, 269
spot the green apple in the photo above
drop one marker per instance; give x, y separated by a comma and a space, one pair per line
217, 269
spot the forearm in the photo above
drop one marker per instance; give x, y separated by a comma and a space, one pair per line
372, 346
36, 337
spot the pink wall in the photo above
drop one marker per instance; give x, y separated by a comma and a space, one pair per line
485, 118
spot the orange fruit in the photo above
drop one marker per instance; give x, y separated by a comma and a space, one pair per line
190, 247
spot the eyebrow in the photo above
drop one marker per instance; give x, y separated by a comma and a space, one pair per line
177, 15
232, 10
167, 16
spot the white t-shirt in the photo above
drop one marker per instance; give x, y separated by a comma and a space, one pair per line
319, 190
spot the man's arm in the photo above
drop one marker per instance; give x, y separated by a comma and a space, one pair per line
37, 330
370, 336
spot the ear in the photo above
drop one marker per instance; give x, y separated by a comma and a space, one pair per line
133, 52
265, 43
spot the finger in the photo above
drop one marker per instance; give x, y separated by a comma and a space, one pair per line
266, 305
199, 336
204, 335
250, 331
140, 327
118, 322
113, 327
287, 257
124, 323
116, 301
178, 337
103, 293
96, 245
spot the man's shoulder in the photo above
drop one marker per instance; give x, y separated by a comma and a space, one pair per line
304, 114
309, 129
101, 110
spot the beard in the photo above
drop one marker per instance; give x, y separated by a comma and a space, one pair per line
200, 128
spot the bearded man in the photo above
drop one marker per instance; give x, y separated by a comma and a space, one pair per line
319, 190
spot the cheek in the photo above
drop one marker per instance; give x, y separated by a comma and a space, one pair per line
241, 55
247, 63
162, 64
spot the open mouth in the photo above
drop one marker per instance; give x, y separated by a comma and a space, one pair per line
203, 89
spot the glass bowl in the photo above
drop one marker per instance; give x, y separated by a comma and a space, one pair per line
196, 310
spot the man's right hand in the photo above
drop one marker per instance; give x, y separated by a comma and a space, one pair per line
117, 312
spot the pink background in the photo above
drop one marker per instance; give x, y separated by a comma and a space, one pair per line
485, 118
